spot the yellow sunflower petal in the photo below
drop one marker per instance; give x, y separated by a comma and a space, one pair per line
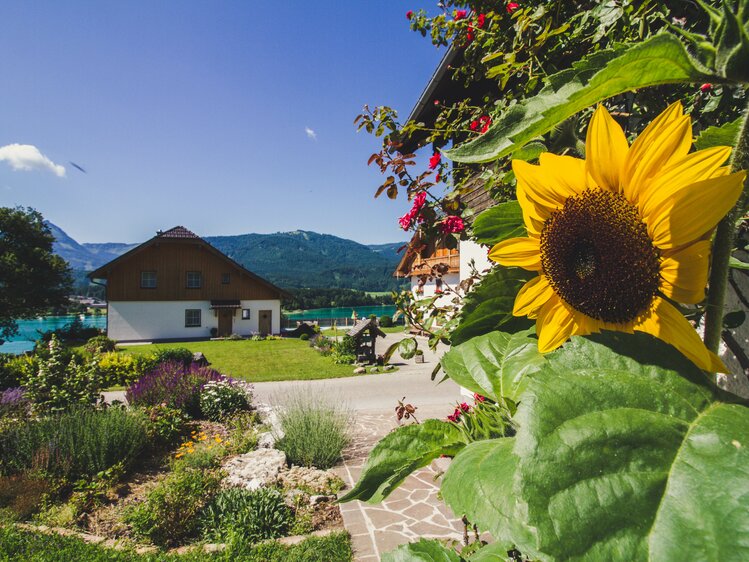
684, 273
695, 167
554, 325
661, 129
532, 296
687, 214
518, 252
666, 323
605, 150
566, 175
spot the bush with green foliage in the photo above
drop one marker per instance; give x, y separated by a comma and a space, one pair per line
23, 494
173, 354
170, 513
344, 351
119, 369
386, 321
55, 385
254, 515
243, 433
164, 425
75, 444
100, 344
315, 430
220, 399
304, 337
14, 369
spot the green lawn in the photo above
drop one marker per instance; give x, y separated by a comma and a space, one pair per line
393, 329
257, 361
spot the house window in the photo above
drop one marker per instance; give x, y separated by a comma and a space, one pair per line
192, 318
245, 314
194, 280
225, 278
147, 279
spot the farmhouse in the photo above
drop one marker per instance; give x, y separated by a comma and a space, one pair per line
431, 269
176, 286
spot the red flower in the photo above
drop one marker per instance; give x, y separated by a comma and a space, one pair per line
437, 178
459, 14
465, 407
474, 125
436, 102
485, 121
409, 14
419, 201
435, 160
480, 21
478, 398
512, 6
406, 220
452, 224
706, 87
469, 36
455, 416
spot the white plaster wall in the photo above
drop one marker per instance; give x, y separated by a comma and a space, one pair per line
469, 250
149, 320
451, 279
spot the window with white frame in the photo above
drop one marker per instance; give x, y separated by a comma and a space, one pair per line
245, 314
147, 279
192, 318
194, 280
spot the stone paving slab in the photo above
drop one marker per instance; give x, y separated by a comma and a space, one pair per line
411, 512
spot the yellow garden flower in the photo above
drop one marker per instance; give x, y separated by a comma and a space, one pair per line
612, 235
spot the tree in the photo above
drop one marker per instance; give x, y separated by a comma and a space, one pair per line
32, 278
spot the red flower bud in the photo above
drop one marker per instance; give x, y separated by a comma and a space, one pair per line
480, 21
459, 14
706, 87
409, 14
512, 6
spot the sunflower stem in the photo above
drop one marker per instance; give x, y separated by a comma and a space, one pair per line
723, 245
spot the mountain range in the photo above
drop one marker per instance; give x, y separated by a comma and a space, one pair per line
294, 259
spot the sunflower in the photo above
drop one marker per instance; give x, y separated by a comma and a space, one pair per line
617, 236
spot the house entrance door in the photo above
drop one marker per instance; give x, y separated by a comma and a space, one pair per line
225, 316
265, 325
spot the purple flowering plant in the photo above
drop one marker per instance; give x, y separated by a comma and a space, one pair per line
174, 385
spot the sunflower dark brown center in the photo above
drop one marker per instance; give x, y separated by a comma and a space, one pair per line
598, 256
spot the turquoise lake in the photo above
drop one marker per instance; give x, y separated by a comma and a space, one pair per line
340, 313
29, 330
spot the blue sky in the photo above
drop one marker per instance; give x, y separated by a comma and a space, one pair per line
194, 113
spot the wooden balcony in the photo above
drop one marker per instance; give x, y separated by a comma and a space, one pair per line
423, 266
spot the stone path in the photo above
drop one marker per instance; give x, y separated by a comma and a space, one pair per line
411, 512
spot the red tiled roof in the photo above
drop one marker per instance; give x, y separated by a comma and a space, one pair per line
177, 232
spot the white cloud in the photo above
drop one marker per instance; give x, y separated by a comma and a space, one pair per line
311, 134
26, 157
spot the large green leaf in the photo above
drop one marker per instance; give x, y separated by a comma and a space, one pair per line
495, 364
494, 552
488, 306
662, 59
422, 551
725, 135
479, 485
627, 452
400, 453
498, 223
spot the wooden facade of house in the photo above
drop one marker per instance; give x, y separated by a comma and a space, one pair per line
177, 286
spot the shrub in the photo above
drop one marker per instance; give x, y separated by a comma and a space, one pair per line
314, 432
76, 444
386, 321
255, 515
99, 344
23, 494
14, 403
243, 435
173, 384
344, 351
170, 513
304, 337
164, 424
173, 354
55, 386
14, 369
118, 369
220, 399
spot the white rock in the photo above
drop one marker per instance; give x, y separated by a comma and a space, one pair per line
266, 440
360, 370
255, 469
